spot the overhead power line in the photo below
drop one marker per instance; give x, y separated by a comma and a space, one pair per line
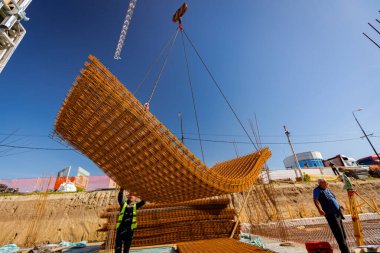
194, 139
25, 135
274, 143
217, 134
35, 148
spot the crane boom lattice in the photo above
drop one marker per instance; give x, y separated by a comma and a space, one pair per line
124, 29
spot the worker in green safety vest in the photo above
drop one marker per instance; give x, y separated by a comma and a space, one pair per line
126, 222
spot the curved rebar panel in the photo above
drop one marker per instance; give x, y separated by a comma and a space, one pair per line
104, 121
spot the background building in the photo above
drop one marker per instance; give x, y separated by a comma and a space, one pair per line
80, 180
306, 159
340, 161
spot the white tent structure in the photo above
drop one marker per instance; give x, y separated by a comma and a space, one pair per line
67, 187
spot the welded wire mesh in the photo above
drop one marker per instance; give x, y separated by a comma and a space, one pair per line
179, 222
223, 245
104, 121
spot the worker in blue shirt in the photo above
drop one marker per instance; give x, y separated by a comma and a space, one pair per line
328, 206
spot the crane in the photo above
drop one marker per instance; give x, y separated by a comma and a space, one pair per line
124, 29
12, 12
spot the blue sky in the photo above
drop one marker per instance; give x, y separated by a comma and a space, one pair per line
301, 63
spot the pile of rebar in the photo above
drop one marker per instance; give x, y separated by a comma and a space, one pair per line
223, 245
104, 121
317, 229
172, 223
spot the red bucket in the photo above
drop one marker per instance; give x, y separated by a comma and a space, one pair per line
318, 247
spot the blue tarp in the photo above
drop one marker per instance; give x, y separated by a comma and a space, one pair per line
10, 248
155, 250
81, 244
251, 239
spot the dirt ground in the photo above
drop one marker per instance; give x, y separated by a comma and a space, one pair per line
296, 201
75, 216
70, 217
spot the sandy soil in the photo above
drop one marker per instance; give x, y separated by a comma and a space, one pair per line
75, 216
69, 217
296, 201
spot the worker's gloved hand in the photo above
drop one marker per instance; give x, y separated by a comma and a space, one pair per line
321, 212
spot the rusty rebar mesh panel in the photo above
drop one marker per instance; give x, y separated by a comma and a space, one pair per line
222, 245
194, 220
196, 204
104, 121
148, 221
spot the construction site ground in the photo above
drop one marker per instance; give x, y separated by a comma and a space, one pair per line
75, 216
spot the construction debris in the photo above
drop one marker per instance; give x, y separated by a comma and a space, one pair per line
375, 173
41, 249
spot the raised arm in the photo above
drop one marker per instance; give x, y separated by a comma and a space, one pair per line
120, 197
140, 204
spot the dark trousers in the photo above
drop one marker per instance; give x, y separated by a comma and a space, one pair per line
123, 235
336, 226
336, 171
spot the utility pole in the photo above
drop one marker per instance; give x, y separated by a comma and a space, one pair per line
181, 120
287, 133
68, 174
365, 135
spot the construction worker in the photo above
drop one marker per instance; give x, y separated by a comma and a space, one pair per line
328, 206
126, 222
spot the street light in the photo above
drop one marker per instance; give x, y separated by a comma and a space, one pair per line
365, 135
180, 118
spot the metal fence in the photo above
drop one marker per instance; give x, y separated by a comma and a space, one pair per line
104, 182
292, 173
31, 184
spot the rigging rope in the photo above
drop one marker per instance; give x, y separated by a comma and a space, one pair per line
220, 90
162, 68
192, 95
154, 63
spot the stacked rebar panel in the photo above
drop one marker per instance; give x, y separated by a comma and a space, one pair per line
179, 222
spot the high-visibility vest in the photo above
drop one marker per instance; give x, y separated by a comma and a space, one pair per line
121, 215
